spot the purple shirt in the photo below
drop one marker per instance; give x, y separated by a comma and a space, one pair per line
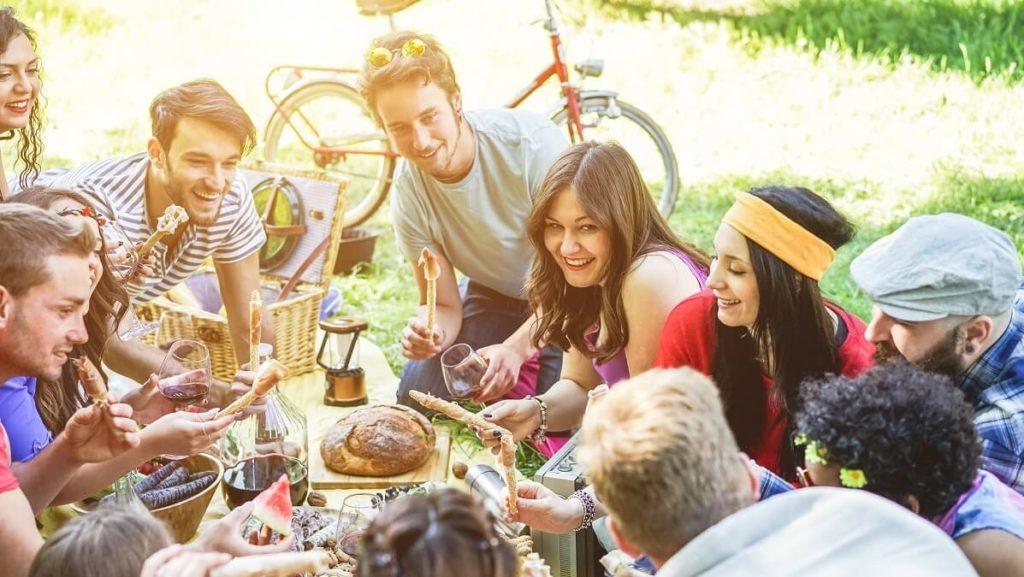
25, 428
616, 368
988, 504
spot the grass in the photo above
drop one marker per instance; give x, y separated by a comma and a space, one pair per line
983, 38
872, 103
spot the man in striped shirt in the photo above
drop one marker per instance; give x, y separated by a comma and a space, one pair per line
200, 134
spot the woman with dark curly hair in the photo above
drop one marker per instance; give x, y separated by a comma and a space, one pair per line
441, 534
908, 436
19, 94
763, 326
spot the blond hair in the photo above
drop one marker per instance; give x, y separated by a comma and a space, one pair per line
662, 460
433, 65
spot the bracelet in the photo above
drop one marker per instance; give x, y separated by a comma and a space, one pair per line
540, 434
588, 508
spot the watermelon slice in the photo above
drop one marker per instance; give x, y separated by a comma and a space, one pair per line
274, 507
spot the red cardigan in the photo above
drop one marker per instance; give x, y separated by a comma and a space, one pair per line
688, 339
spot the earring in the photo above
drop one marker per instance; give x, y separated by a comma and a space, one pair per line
969, 349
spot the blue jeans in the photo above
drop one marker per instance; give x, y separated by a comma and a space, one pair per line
488, 317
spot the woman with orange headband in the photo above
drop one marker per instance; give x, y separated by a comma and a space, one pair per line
762, 327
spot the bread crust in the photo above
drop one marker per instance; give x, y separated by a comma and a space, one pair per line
378, 441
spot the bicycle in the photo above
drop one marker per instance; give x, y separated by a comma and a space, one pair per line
330, 124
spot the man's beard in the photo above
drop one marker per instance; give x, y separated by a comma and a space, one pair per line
943, 358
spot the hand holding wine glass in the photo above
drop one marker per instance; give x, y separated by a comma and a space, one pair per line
185, 375
463, 369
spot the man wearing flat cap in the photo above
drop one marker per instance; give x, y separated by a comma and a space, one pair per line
947, 296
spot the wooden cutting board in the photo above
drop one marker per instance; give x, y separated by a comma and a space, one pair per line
435, 469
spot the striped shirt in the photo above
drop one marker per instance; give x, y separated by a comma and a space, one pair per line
117, 187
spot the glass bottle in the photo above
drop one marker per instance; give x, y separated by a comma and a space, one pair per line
271, 441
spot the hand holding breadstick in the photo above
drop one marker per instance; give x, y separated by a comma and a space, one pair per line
173, 217
271, 372
255, 329
508, 444
431, 271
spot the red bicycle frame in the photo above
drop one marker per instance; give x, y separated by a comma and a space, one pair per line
557, 68
325, 155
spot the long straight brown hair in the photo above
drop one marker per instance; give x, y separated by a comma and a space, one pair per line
57, 401
613, 193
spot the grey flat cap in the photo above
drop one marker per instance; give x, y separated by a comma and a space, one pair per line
940, 265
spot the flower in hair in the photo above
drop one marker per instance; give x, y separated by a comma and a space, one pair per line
815, 454
379, 57
853, 478
799, 439
414, 47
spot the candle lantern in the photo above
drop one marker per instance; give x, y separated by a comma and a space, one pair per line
339, 357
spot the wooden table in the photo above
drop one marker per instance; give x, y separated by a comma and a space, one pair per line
307, 391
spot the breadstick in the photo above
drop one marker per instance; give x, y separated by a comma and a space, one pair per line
255, 319
274, 564
270, 373
91, 380
508, 444
430, 271
508, 462
456, 412
168, 222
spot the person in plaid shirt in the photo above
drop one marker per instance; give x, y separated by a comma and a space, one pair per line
948, 297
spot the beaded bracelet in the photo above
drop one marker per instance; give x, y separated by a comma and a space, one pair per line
540, 434
588, 508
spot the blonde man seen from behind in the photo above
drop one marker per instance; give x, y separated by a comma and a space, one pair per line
662, 438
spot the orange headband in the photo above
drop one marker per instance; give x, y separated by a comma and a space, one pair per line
779, 235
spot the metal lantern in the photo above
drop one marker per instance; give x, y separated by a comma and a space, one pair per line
339, 356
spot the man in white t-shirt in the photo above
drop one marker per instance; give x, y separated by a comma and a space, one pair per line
464, 191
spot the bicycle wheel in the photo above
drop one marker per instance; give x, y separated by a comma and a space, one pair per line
331, 114
606, 118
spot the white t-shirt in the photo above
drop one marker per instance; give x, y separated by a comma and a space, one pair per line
821, 531
479, 223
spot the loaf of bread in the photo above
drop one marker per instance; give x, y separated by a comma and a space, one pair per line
378, 441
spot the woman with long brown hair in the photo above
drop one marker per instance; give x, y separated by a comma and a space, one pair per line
763, 326
606, 274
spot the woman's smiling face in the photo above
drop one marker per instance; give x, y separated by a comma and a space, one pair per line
19, 83
732, 279
578, 244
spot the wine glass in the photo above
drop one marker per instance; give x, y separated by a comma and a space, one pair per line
462, 368
132, 327
185, 377
354, 517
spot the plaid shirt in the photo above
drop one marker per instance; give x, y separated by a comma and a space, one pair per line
995, 386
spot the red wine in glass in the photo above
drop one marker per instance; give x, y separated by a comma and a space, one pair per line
186, 394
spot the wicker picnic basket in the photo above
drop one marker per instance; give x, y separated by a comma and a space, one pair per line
304, 220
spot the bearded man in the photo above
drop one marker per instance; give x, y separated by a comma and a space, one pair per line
200, 134
947, 296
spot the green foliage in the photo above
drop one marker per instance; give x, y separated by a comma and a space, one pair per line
63, 16
982, 38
